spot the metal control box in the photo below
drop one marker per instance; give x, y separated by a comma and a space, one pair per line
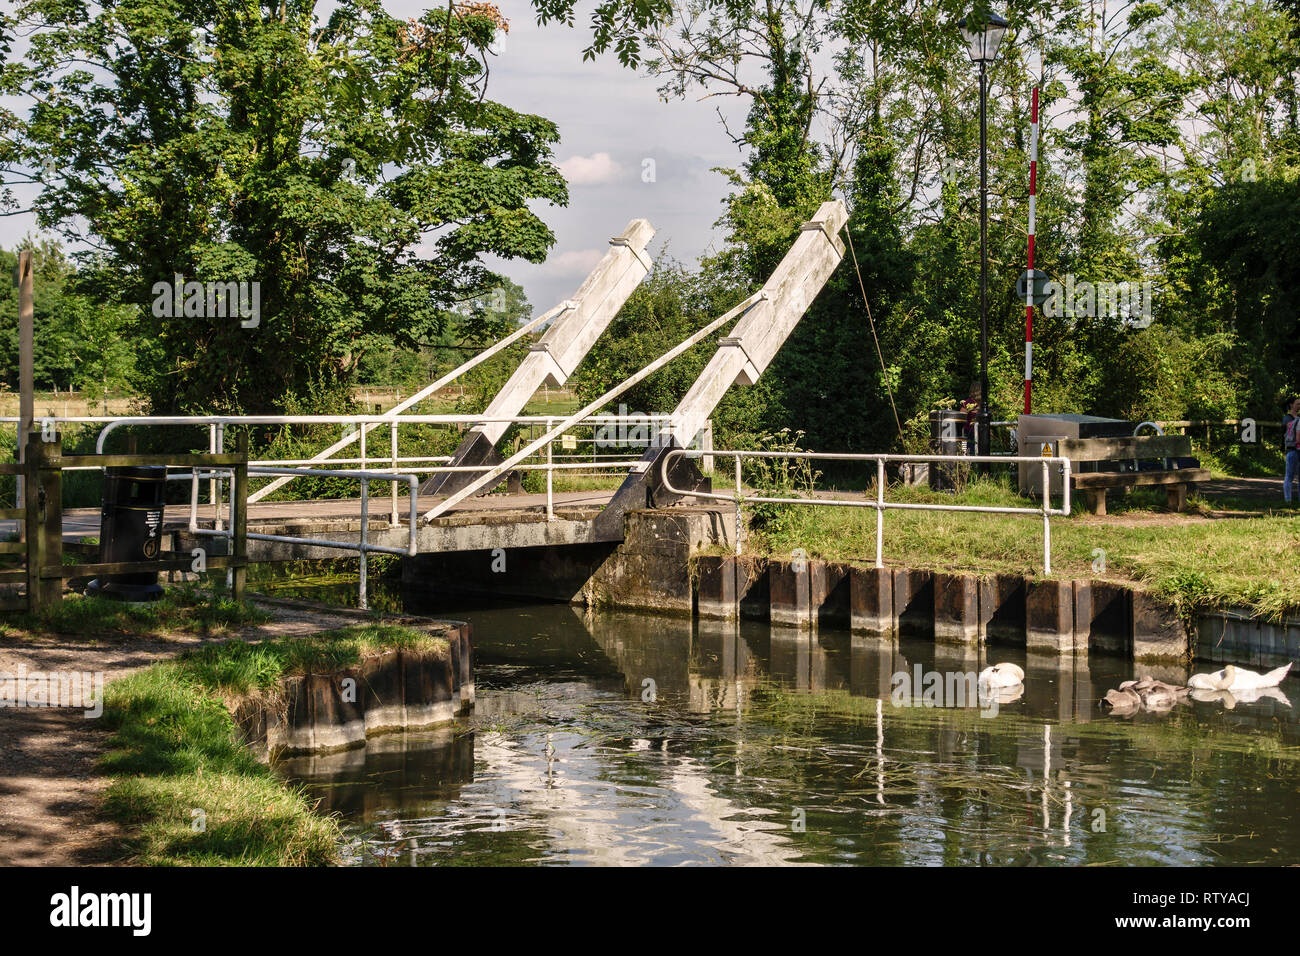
1035, 431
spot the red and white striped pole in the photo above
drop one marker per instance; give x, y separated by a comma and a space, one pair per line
1029, 291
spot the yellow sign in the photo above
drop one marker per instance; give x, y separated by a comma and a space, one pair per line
569, 442
1047, 449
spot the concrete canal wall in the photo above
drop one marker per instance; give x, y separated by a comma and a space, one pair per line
659, 567
1234, 636
1045, 615
396, 690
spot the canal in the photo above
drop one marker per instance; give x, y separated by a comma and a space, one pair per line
620, 738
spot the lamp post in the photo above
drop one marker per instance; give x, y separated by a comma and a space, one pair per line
983, 33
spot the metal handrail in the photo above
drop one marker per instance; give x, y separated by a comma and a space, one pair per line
880, 504
112, 423
217, 424
362, 546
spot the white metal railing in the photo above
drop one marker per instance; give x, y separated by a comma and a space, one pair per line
879, 504
362, 545
400, 469
217, 425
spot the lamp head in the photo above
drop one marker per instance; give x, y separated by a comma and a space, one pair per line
982, 33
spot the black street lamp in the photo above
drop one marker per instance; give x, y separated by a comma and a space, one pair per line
982, 34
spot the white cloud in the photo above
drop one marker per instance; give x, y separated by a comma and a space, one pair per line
576, 262
594, 170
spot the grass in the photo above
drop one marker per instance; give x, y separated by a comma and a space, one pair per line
179, 610
176, 760
1247, 559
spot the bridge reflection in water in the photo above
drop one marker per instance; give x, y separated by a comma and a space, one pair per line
625, 739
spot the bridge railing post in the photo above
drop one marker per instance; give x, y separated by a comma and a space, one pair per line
362, 597
392, 442
194, 498
550, 476
216, 439
239, 519
740, 518
1047, 521
880, 512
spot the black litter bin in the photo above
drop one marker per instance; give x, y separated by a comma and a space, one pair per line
130, 529
947, 437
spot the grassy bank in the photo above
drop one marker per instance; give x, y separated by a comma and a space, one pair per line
180, 610
176, 761
1237, 558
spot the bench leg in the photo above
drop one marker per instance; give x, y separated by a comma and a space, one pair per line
1097, 500
1177, 497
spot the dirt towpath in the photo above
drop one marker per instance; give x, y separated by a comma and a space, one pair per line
50, 787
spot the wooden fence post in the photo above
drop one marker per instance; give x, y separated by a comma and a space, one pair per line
43, 503
239, 518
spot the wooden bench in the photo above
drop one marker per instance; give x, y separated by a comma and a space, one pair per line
1096, 484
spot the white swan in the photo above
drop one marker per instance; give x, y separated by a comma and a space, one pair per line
1236, 678
1231, 699
1002, 675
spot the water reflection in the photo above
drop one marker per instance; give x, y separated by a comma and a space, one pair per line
630, 739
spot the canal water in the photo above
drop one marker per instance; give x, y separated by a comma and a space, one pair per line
620, 738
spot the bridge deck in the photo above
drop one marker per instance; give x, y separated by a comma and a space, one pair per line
297, 517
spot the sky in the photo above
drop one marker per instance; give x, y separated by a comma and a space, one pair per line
615, 133
625, 153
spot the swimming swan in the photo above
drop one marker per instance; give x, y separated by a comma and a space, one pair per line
1002, 675
1230, 699
1122, 702
1147, 693
1236, 678
1156, 694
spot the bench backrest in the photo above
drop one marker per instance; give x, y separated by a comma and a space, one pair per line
1116, 449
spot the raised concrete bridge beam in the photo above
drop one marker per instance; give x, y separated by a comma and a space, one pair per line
741, 358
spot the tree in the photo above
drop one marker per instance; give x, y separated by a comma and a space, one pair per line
1246, 234
354, 170
77, 344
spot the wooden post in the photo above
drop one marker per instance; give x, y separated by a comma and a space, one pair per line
753, 343
32, 517
43, 489
571, 336
239, 518
26, 394
50, 530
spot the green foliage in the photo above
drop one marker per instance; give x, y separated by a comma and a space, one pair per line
778, 478
1156, 120
77, 344
1245, 232
1169, 149
311, 157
